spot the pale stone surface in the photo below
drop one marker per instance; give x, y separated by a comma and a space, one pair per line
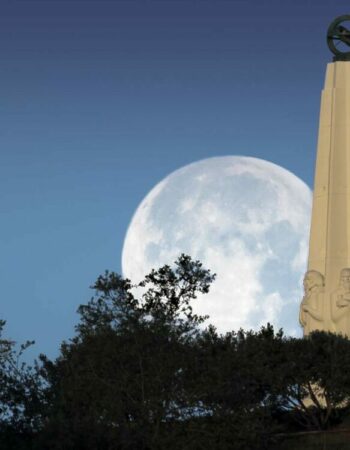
326, 303
312, 306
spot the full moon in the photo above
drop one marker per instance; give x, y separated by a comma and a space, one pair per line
245, 219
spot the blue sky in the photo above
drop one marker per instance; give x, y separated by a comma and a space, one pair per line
102, 99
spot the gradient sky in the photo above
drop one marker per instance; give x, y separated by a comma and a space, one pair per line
102, 99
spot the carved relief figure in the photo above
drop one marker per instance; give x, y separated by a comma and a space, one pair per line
340, 302
312, 307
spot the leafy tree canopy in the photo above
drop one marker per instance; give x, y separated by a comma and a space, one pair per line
142, 371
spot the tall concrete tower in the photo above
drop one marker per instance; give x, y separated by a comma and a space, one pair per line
326, 302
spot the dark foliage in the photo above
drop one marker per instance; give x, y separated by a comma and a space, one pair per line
21, 400
142, 372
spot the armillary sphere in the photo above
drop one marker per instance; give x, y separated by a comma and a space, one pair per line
338, 38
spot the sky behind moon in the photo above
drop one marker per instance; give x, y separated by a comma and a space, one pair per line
100, 100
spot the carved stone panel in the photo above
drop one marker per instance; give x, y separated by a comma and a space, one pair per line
312, 308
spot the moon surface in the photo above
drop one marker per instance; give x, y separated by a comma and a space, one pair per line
244, 218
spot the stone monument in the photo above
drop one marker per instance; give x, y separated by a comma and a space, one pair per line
326, 302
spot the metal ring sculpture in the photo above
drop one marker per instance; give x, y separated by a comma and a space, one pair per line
338, 38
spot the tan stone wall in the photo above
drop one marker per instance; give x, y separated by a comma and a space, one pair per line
326, 303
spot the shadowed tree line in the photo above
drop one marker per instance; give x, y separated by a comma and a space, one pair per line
143, 373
